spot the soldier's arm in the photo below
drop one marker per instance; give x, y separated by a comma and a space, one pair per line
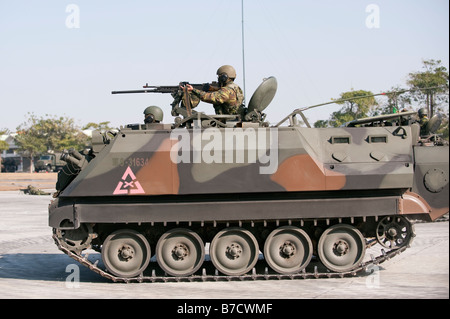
217, 97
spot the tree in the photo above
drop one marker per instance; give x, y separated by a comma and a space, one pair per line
321, 124
102, 126
38, 135
397, 99
357, 104
3, 147
52, 133
430, 85
29, 144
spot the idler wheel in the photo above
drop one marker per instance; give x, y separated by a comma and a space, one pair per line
394, 232
341, 248
234, 251
126, 253
180, 252
288, 250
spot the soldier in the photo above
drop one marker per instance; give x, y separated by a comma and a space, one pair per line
153, 114
34, 191
228, 98
423, 121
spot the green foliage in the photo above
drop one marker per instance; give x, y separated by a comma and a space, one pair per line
37, 135
429, 88
321, 124
431, 85
397, 100
3, 146
356, 105
102, 126
339, 118
4, 131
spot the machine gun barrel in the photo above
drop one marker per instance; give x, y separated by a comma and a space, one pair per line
151, 89
213, 86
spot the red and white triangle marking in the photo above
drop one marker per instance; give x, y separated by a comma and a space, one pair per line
124, 187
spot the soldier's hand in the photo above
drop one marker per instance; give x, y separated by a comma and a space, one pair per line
206, 87
189, 87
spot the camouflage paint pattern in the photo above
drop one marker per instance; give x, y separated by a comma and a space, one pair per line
319, 173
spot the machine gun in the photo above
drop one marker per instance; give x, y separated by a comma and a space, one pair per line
184, 102
179, 94
213, 86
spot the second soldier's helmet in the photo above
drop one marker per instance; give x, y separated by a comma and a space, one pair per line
228, 70
423, 112
153, 114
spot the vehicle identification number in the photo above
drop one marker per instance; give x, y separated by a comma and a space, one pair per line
132, 161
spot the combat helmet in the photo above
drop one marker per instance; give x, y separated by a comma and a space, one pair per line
228, 70
153, 114
423, 112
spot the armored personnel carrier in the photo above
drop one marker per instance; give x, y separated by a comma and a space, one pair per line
266, 201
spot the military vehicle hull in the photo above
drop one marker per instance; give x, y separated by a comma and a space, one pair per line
292, 193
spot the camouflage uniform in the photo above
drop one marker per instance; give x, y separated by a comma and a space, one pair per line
227, 100
423, 121
424, 126
34, 191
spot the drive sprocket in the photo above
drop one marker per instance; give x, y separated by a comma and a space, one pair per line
76, 240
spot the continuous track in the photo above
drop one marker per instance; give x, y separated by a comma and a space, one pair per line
266, 275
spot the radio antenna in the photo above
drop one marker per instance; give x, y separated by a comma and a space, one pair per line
243, 46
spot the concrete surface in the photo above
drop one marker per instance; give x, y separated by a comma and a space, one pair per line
31, 266
17, 181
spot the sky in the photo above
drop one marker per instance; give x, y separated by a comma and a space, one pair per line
63, 58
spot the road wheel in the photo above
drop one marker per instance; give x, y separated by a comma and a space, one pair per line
126, 253
234, 251
341, 248
180, 252
288, 250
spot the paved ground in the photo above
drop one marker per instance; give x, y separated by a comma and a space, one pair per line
17, 181
31, 266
